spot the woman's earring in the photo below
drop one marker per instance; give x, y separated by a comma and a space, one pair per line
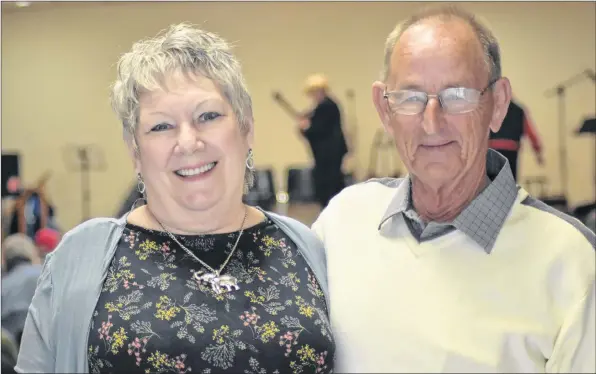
141, 189
250, 162
140, 185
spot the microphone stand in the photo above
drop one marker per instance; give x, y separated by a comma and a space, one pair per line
559, 91
352, 132
85, 183
84, 159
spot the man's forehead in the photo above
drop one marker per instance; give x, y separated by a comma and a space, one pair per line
437, 36
438, 45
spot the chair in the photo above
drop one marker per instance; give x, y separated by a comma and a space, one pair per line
263, 193
301, 187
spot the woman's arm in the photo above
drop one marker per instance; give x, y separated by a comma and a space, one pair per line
36, 354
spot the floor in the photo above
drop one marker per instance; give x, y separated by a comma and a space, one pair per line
306, 213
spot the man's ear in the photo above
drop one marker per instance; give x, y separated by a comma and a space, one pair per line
502, 98
378, 91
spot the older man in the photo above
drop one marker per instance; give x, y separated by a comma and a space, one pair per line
22, 268
453, 268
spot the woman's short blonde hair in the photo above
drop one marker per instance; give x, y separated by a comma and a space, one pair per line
185, 49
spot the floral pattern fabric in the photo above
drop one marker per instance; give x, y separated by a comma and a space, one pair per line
152, 317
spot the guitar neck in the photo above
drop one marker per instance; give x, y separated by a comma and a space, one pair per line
285, 105
288, 108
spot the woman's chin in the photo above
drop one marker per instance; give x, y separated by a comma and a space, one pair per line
200, 201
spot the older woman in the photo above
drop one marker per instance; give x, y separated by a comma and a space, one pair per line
194, 280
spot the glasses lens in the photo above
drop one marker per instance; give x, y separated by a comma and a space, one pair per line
407, 102
459, 100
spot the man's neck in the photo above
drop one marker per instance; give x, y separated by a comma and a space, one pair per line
444, 203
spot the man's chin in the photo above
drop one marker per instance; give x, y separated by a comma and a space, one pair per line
436, 172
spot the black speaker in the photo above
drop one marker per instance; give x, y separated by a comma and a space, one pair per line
10, 168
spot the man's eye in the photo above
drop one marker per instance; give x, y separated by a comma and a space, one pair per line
415, 99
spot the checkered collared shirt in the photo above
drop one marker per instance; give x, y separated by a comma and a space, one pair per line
481, 220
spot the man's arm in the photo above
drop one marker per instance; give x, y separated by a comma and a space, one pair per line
575, 346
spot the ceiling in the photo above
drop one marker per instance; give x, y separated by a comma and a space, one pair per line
13, 6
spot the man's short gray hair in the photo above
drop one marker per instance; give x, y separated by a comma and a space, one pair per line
19, 245
185, 49
490, 45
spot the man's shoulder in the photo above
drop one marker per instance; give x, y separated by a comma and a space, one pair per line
557, 224
383, 186
374, 194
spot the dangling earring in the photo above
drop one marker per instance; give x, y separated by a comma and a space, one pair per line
140, 185
250, 162
141, 189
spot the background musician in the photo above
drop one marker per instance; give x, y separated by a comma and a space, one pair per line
322, 129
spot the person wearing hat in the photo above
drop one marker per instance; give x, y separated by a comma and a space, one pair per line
46, 240
323, 130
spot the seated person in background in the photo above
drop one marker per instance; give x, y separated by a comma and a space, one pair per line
194, 280
22, 267
453, 268
9, 351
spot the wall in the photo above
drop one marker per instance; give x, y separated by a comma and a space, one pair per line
58, 62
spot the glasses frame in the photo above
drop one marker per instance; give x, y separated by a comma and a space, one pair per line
480, 93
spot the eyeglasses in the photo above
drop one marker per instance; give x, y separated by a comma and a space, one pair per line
453, 100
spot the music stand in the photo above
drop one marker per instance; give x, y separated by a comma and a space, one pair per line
559, 92
588, 127
84, 159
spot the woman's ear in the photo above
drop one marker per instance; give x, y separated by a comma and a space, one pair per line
250, 135
133, 152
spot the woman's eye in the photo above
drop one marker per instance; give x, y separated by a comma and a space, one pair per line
161, 127
209, 116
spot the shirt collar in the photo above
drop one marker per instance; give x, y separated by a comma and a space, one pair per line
484, 217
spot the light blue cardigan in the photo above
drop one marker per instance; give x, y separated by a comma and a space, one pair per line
55, 338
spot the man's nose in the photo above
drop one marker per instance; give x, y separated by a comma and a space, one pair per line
431, 116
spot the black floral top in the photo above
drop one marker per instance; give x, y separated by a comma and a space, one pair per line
152, 317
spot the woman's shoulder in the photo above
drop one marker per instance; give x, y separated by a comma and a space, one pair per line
301, 234
88, 240
289, 223
309, 245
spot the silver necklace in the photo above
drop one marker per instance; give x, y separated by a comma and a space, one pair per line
219, 283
